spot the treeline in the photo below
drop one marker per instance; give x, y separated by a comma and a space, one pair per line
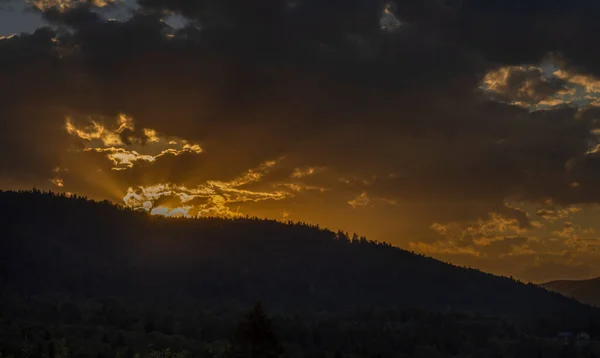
95, 278
158, 332
53, 243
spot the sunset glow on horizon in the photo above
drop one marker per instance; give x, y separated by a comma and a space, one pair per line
435, 126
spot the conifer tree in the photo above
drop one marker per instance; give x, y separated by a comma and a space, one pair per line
255, 336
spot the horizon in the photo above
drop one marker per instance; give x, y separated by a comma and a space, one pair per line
349, 235
436, 127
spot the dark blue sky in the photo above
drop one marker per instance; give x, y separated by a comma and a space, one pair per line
13, 19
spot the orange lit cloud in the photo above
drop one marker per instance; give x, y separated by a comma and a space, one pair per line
362, 200
553, 214
299, 187
124, 159
213, 198
96, 130
116, 143
524, 86
590, 83
63, 5
305, 172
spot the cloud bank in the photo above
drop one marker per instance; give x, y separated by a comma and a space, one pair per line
393, 118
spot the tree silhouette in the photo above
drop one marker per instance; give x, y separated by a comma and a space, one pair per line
149, 327
255, 336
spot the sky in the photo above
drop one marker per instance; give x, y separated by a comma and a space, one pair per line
466, 130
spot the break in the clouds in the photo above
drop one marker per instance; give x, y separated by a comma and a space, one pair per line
464, 129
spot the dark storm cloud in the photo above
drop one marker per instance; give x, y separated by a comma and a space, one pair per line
77, 17
31, 141
319, 84
516, 32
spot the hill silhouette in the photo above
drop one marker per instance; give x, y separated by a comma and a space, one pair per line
586, 291
70, 245
90, 279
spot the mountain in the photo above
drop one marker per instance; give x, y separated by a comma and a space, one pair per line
586, 291
59, 244
102, 280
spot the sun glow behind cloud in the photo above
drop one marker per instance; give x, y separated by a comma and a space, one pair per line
523, 135
126, 148
213, 198
63, 5
499, 236
118, 143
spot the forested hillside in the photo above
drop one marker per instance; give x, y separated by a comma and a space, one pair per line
102, 278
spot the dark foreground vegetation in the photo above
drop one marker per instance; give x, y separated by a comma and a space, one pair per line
87, 279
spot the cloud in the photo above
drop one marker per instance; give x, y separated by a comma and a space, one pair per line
213, 198
64, 5
360, 201
481, 237
521, 85
98, 131
301, 173
116, 142
590, 83
554, 214
349, 99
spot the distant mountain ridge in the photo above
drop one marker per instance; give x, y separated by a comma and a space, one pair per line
52, 244
586, 291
